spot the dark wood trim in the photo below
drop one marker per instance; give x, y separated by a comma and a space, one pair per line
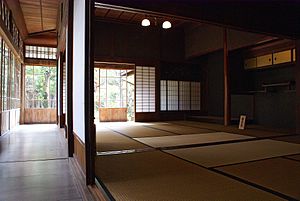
1, 76
90, 128
57, 92
60, 93
297, 78
69, 73
40, 62
22, 94
227, 115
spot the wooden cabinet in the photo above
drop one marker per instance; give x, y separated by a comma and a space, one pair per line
282, 57
265, 60
250, 63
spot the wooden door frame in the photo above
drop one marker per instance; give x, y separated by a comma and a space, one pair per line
90, 128
69, 73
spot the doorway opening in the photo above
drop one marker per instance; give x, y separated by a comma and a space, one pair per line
40, 94
114, 92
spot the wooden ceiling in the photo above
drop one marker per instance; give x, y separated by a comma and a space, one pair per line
122, 16
277, 18
39, 15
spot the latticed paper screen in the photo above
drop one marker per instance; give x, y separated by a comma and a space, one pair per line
145, 89
195, 96
184, 95
180, 95
172, 95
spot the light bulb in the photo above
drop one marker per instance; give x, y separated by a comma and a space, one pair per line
145, 22
166, 25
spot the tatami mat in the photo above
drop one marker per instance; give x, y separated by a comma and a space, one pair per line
295, 157
231, 129
179, 140
141, 131
111, 141
292, 139
161, 177
281, 175
179, 129
225, 154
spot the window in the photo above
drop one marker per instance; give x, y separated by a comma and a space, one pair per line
145, 89
172, 95
5, 76
40, 87
40, 52
179, 95
10, 78
113, 87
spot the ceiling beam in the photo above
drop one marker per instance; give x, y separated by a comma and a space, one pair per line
279, 18
14, 6
42, 32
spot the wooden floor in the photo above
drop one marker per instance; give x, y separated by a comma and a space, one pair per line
34, 166
185, 160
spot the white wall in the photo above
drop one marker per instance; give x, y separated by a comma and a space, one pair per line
78, 68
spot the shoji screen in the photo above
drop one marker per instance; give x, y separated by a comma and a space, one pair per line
163, 95
172, 95
195, 95
145, 89
184, 95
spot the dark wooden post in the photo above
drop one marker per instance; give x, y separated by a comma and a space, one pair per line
90, 128
60, 92
227, 115
69, 72
297, 78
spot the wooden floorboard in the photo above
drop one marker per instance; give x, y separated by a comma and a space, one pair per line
34, 165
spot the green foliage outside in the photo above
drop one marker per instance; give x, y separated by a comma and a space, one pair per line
40, 87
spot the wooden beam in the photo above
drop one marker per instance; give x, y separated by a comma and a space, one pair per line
42, 40
14, 6
227, 108
297, 86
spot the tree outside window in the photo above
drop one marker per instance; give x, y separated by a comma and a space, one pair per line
40, 87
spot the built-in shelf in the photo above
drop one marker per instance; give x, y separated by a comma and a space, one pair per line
271, 60
287, 84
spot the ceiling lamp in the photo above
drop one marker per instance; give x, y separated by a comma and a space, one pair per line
166, 25
145, 22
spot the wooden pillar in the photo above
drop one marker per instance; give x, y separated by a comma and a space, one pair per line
69, 77
227, 115
60, 92
297, 79
90, 128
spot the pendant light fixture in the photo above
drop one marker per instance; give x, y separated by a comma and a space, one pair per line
145, 22
166, 25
